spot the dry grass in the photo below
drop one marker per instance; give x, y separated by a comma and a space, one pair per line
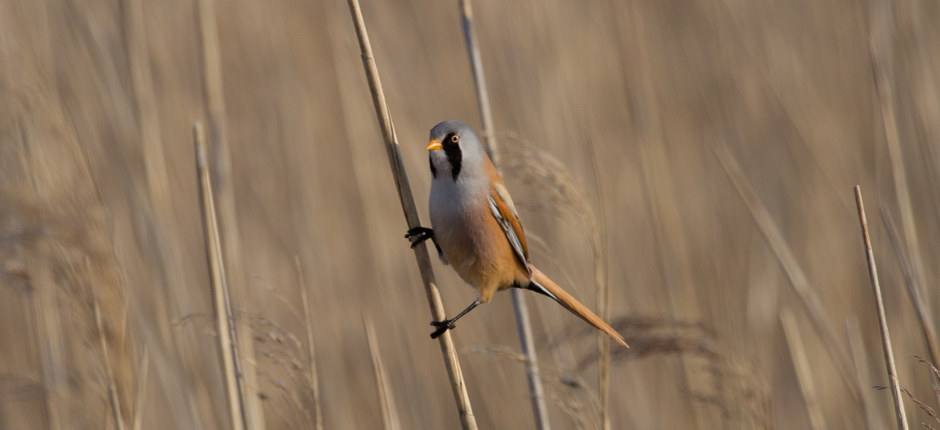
454, 371
886, 344
98, 202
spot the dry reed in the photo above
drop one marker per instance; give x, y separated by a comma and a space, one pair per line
881, 29
914, 292
225, 325
451, 361
386, 399
804, 372
882, 318
141, 395
519, 305
314, 377
113, 400
221, 171
599, 249
860, 365
798, 280
673, 262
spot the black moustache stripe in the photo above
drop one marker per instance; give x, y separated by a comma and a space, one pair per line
454, 155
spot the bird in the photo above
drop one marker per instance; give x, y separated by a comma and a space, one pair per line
477, 231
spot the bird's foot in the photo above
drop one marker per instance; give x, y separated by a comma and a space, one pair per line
442, 326
419, 234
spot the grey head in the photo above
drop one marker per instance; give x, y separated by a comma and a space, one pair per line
454, 151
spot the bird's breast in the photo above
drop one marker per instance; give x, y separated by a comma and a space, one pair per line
459, 222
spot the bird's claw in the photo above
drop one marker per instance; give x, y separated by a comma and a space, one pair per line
417, 235
442, 326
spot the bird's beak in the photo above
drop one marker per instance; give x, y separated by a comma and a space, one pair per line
434, 145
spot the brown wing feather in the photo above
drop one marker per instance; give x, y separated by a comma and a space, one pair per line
504, 204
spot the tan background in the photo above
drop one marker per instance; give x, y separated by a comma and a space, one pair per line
90, 210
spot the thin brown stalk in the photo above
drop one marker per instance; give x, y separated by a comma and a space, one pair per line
479, 80
141, 389
220, 169
804, 373
914, 292
113, 400
599, 248
223, 309
798, 280
674, 262
519, 305
311, 348
386, 399
882, 318
881, 52
451, 361
861, 366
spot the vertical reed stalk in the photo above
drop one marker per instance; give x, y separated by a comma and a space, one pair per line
599, 248
142, 378
881, 28
914, 291
804, 373
519, 305
225, 325
798, 280
221, 168
311, 348
882, 318
451, 361
861, 366
113, 400
386, 399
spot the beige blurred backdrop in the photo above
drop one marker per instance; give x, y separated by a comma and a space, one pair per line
99, 207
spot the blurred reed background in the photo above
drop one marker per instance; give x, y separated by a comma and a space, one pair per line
715, 143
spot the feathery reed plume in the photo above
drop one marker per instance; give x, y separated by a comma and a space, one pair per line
804, 373
927, 410
914, 291
798, 280
860, 365
221, 171
519, 305
562, 379
314, 377
741, 397
882, 318
225, 324
451, 361
386, 399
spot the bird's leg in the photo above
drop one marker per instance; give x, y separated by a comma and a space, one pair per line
420, 234
448, 324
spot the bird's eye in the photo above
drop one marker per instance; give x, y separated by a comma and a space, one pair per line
454, 138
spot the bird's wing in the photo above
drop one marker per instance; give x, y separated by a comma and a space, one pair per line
505, 213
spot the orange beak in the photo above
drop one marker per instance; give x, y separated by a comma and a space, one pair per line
434, 145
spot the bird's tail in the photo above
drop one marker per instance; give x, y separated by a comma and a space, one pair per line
544, 285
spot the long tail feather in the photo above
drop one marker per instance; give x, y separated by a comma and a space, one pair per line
543, 284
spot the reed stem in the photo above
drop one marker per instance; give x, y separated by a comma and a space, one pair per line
225, 326
311, 348
519, 305
804, 373
882, 318
451, 361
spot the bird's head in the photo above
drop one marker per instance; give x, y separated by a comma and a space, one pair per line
454, 150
